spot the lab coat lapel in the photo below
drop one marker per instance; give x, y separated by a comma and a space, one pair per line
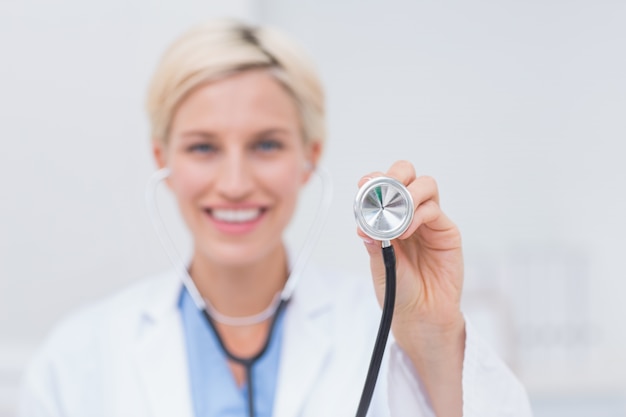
160, 354
305, 349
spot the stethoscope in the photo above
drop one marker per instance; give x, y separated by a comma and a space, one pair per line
383, 209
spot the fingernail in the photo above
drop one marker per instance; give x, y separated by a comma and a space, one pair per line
367, 241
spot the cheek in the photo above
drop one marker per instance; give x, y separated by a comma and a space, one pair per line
187, 180
285, 179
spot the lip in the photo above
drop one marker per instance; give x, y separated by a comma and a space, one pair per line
233, 219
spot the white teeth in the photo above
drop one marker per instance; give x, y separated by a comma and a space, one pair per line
236, 216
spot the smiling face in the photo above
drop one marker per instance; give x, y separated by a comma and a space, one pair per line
237, 161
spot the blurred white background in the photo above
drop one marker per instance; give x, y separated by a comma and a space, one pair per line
517, 108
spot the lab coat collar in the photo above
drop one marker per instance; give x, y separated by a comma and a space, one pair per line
306, 343
160, 353
161, 299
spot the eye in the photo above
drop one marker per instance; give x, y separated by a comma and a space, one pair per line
268, 145
201, 148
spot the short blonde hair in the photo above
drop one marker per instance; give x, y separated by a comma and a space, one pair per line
222, 47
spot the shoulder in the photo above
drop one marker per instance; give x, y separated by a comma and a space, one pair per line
69, 367
79, 339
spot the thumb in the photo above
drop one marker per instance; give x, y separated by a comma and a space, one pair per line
371, 245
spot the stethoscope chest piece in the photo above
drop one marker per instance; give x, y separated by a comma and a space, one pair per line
383, 208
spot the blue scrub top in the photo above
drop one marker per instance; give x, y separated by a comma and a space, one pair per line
214, 391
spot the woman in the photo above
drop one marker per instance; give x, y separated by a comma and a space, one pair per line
237, 116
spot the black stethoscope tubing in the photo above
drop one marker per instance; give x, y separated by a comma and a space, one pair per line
248, 362
389, 258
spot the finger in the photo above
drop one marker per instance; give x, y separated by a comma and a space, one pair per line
368, 177
403, 171
429, 214
422, 189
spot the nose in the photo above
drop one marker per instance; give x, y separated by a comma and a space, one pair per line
235, 179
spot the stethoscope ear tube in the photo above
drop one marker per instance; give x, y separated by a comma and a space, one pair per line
389, 258
164, 237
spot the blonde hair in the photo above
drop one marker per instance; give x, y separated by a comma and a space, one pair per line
222, 47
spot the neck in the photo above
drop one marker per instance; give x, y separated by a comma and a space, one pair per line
241, 290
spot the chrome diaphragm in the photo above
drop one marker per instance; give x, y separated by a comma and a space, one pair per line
383, 208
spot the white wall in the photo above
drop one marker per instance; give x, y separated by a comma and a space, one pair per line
517, 108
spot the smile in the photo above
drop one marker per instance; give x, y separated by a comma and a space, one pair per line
236, 215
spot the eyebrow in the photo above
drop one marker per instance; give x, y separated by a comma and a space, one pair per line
193, 134
207, 135
272, 131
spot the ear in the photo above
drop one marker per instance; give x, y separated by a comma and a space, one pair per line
159, 153
313, 155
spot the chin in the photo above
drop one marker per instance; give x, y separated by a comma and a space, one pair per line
236, 255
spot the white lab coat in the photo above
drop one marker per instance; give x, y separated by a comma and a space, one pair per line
126, 356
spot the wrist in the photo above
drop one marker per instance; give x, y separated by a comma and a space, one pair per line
429, 344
